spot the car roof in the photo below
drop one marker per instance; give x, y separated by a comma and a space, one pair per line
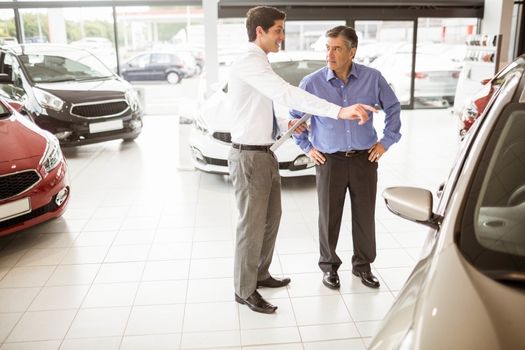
46, 48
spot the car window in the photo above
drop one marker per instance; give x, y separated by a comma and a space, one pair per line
493, 227
140, 61
63, 66
161, 58
294, 71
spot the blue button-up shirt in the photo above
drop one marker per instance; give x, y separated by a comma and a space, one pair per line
364, 85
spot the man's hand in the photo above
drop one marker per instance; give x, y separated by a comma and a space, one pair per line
358, 111
300, 128
375, 152
316, 156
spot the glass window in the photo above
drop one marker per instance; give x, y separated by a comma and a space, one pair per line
7, 27
308, 35
439, 59
387, 46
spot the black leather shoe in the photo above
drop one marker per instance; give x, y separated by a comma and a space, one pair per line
271, 282
257, 303
367, 278
331, 280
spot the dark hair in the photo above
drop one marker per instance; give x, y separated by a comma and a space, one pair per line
347, 33
263, 16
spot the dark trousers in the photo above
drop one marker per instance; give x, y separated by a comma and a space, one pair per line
359, 176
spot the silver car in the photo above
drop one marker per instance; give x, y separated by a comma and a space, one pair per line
468, 289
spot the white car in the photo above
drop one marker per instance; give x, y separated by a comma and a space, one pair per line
468, 290
435, 77
210, 138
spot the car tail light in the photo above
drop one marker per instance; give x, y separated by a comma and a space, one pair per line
419, 75
455, 75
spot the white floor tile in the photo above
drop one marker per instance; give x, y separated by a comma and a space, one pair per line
209, 290
127, 253
207, 317
161, 292
73, 274
270, 336
7, 323
90, 323
35, 326
36, 345
320, 310
151, 342
120, 272
17, 299
368, 307
218, 339
368, 328
329, 332
157, 319
103, 343
170, 251
31, 276
346, 344
166, 270
111, 294
60, 297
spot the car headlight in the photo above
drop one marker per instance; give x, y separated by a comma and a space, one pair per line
133, 99
47, 100
200, 125
53, 154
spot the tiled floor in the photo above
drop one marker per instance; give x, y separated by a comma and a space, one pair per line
143, 257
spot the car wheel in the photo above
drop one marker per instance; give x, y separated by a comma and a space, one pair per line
173, 78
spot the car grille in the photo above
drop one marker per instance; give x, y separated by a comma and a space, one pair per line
106, 109
223, 136
14, 184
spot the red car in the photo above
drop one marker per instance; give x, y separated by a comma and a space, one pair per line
34, 184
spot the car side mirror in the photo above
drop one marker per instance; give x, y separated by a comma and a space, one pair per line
411, 203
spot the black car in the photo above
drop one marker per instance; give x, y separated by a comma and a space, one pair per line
71, 93
170, 66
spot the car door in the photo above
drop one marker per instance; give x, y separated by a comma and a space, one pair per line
15, 88
137, 68
160, 62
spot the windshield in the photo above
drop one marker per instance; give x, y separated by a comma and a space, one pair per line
66, 65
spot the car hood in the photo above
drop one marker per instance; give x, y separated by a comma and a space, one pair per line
20, 139
87, 91
455, 306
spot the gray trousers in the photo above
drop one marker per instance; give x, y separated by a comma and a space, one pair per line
257, 184
338, 175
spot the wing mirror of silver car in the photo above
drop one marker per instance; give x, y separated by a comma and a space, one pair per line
411, 203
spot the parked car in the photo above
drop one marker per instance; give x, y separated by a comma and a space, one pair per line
468, 289
71, 93
34, 184
210, 138
169, 66
435, 77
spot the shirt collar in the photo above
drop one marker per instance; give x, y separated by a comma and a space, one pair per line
353, 71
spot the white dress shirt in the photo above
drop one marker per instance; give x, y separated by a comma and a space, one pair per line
252, 86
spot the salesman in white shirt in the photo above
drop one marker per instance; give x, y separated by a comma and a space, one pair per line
254, 170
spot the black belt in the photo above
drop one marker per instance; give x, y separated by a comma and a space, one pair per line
352, 153
251, 147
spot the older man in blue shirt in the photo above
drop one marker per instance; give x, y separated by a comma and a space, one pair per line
347, 154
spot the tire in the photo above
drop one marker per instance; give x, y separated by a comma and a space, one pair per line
173, 78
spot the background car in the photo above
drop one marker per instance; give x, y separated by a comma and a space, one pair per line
210, 138
34, 184
169, 66
468, 289
435, 77
71, 93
